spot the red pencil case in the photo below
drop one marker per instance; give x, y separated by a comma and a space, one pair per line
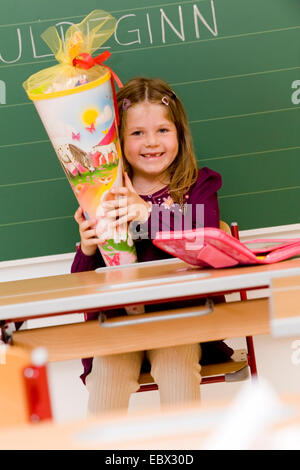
212, 247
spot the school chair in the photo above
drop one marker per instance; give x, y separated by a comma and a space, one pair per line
234, 369
24, 392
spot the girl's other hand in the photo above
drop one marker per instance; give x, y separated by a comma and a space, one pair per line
88, 237
127, 205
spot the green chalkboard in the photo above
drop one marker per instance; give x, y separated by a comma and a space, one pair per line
234, 63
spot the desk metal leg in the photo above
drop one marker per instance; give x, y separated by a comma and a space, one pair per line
251, 355
243, 294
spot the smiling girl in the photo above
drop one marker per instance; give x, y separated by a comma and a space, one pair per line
161, 178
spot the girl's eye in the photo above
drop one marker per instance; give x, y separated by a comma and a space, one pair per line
163, 130
136, 133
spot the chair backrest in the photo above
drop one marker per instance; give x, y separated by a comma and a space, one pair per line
13, 401
24, 394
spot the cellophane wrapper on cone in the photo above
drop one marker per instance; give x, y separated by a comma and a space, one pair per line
78, 109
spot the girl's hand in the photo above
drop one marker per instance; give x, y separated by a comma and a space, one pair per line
89, 240
127, 205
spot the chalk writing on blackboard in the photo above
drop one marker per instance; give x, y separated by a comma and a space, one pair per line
296, 93
2, 92
158, 26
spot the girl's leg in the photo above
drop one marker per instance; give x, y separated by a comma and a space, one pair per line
176, 370
112, 380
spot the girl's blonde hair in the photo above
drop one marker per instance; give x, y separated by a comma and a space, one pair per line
184, 169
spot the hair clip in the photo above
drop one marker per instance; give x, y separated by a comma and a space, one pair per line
125, 104
165, 100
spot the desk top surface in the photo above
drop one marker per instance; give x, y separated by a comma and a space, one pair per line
137, 283
194, 428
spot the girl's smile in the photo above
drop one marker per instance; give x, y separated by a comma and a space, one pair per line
153, 155
150, 141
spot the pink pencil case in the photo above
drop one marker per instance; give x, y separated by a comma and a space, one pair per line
211, 247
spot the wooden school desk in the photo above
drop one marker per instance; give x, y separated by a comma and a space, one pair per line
190, 427
141, 283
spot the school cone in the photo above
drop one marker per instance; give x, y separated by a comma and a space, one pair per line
76, 101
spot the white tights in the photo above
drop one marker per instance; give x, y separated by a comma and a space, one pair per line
113, 378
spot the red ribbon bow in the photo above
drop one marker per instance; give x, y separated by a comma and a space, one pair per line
86, 61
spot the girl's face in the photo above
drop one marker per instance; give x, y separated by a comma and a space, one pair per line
150, 139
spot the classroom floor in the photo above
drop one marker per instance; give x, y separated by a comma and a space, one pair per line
277, 361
